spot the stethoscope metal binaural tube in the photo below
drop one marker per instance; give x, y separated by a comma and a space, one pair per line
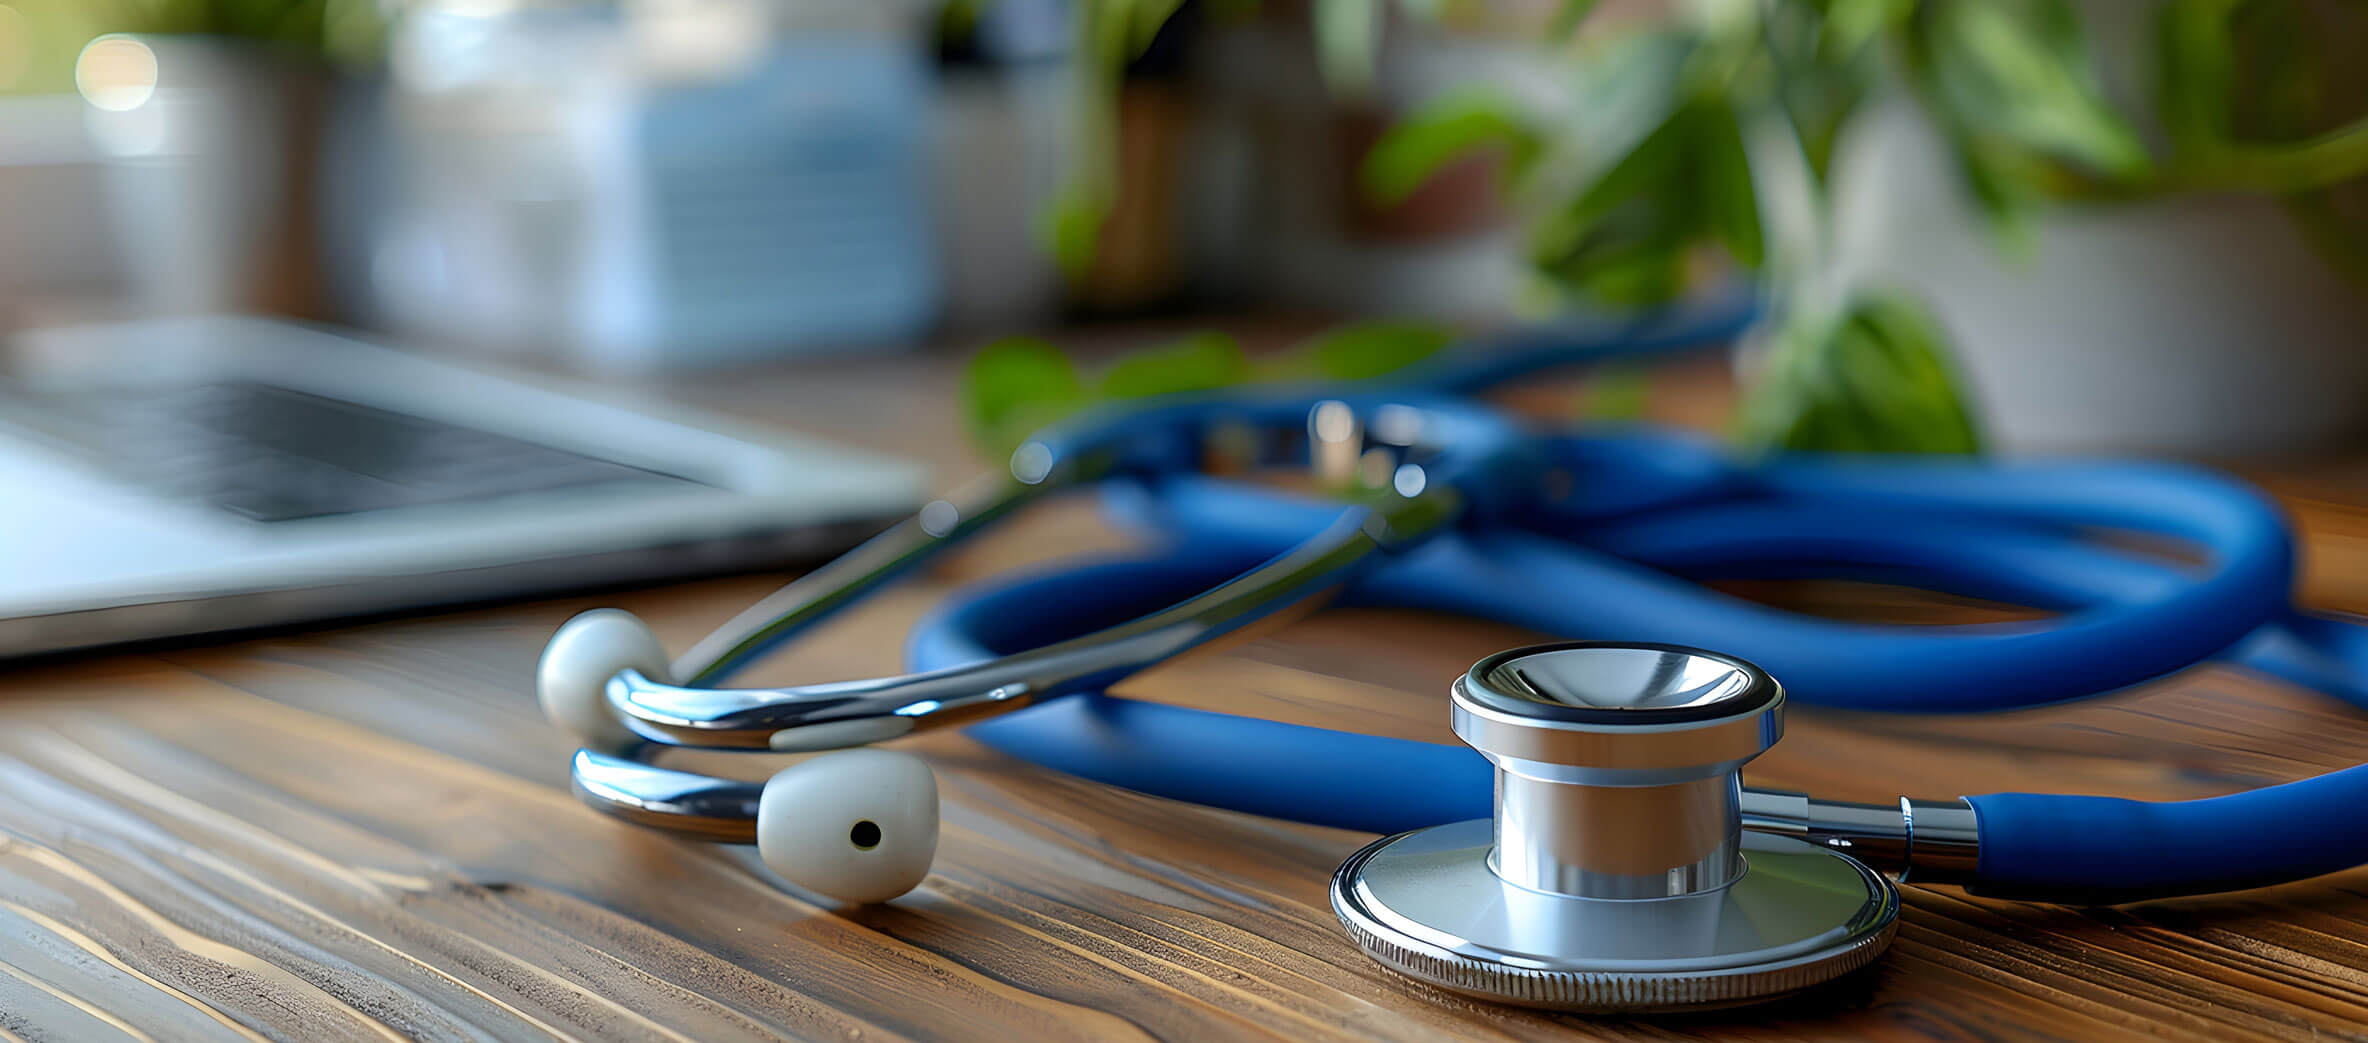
852, 713
1153, 438
1418, 500
1159, 437
851, 576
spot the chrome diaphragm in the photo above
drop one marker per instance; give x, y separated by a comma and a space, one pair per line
1615, 875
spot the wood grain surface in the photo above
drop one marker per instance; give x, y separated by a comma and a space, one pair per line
366, 833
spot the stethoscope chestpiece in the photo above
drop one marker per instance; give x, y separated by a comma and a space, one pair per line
1615, 876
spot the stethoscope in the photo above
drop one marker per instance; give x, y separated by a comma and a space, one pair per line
1599, 851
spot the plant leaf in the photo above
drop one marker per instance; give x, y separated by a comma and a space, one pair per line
1069, 227
2195, 71
1656, 162
1874, 379
1199, 362
1428, 140
1725, 169
1145, 19
2015, 73
1014, 386
2286, 116
1819, 106
1827, 63
2008, 198
1371, 349
1847, 27
1104, 34
1634, 256
353, 32
1627, 238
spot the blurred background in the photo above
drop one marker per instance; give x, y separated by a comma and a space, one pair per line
2018, 226
2103, 224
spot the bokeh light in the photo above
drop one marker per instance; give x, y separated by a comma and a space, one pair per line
116, 73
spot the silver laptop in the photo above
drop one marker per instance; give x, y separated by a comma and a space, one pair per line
192, 476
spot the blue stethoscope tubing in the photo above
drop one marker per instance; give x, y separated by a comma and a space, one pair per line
1645, 514
1613, 560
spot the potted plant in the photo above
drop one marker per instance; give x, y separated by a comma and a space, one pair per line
2087, 207
206, 116
2063, 225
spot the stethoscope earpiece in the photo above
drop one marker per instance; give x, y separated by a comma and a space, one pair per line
573, 677
1615, 875
858, 825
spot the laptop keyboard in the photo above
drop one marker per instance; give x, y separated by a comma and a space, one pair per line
271, 453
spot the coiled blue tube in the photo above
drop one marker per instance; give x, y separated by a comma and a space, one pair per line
1268, 768
2072, 847
1615, 558
1614, 578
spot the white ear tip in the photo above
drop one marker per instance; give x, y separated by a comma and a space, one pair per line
858, 826
572, 680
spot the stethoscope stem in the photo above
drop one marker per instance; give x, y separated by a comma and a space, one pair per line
1923, 841
1038, 470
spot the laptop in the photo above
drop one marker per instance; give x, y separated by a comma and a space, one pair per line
177, 477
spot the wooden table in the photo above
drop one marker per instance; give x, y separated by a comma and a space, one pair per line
366, 832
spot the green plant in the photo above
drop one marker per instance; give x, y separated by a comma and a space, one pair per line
2013, 87
1105, 35
54, 31
1650, 174
1016, 385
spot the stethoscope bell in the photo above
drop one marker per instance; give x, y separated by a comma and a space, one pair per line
1616, 875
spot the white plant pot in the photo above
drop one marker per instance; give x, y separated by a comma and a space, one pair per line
2189, 325
196, 173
